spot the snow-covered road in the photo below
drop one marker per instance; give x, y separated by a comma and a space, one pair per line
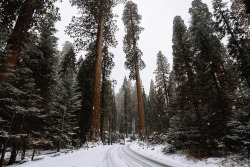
107, 156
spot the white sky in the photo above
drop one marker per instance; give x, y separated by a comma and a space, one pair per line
157, 19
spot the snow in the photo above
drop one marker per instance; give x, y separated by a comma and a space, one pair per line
179, 160
124, 156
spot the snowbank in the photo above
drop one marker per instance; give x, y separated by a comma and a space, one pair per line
179, 160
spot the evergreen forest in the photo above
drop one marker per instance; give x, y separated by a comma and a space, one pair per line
53, 99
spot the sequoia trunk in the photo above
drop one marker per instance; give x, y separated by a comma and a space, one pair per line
94, 131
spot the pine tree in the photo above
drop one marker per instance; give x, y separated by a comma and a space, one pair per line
152, 114
44, 73
162, 76
107, 65
85, 81
134, 63
210, 75
125, 103
187, 123
69, 60
233, 24
19, 105
66, 101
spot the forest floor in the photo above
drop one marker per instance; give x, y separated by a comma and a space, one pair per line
128, 155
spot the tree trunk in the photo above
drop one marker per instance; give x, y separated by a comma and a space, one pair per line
142, 130
15, 42
200, 127
166, 95
199, 120
126, 112
7, 140
62, 127
23, 153
102, 127
103, 104
13, 154
32, 158
3, 152
94, 131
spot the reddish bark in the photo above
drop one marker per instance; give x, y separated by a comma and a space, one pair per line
15, 42
142, 129
94, 131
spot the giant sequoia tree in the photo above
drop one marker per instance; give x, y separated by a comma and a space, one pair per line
134, 63
95, 25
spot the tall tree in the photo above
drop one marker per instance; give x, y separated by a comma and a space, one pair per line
134, 63
95, 25
66, 101
187, 118
107, 65
85, 81
162, 76
234, 24
210, 74
125, 104
152, 115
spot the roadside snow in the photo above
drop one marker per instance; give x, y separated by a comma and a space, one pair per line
82, 157
156, 153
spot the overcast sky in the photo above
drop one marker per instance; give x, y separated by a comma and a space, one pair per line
157, 19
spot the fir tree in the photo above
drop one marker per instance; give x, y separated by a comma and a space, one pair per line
187, 122
85, 82
209, 68
152, 114
19, 105
69, 60
125, 103
162, 75
107, 65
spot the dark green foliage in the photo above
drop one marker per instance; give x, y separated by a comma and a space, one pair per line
10, 10
106, 92
234, 25
84, 29
85, 82
68, 63
202, 98
151, 114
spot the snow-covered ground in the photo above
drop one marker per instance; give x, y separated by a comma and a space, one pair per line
100, 156
182, 161
128, 155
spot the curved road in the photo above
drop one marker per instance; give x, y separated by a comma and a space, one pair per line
107, 156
